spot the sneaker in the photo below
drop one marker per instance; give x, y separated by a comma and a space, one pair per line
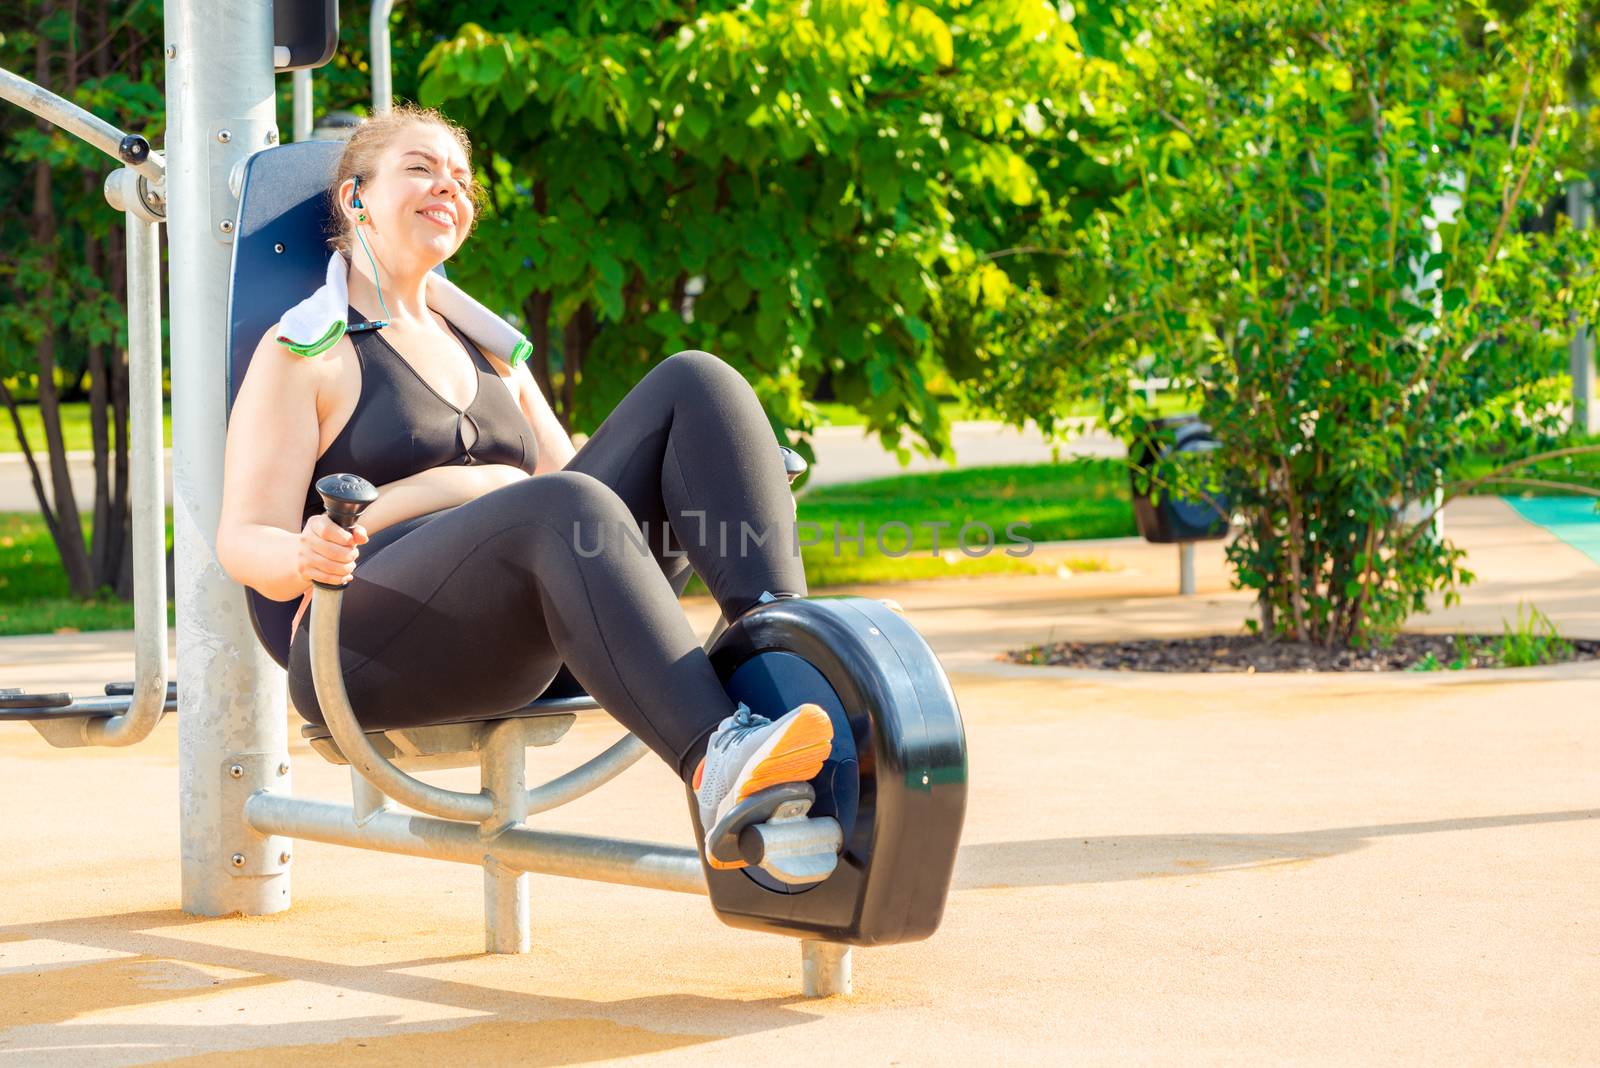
749, 753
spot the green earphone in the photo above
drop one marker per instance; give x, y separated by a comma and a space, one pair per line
355, 202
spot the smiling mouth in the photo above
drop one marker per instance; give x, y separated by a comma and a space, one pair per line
438, 217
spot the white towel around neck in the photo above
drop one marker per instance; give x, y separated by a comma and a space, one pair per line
312, 327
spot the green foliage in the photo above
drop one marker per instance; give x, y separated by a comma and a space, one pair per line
1532, 640
51, 286
830, 172
1328, 224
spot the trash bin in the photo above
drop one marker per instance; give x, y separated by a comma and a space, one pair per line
1163, 517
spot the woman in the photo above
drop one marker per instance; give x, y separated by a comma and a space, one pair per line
494, 553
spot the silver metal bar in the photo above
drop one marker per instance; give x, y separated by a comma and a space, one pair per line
1580, 351
328, 676
1186, 569
94, 707
220, 103
366, 800
607, 860
378, 56
302, 105
825, 968
504, 761
716, 632
76, 121
588, 776
149, 699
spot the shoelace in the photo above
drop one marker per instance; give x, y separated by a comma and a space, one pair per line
744, 721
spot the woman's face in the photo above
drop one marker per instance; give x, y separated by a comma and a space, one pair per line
418, 200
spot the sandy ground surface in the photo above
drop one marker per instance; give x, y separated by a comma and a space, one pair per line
1326, 869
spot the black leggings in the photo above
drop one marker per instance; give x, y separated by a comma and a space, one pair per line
471, 611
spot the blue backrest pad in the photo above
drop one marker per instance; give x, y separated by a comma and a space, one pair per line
280, 257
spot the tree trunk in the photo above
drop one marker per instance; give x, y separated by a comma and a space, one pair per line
536, 309
99, 562
575, 340
68, 530
112, 533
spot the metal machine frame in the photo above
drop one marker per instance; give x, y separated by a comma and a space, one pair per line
237, 813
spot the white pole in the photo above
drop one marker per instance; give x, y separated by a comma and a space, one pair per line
1186, 569
220, 108
382, 84
302, 106
1580, 352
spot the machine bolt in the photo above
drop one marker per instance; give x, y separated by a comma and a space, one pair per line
172, 51
236, 770
283, 858
224, 136
238, 860
283, 767
272, 137
226, 226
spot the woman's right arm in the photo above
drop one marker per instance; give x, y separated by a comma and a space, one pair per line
273, 435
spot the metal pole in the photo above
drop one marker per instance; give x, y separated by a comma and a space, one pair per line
149, 501
382, 84
302, 106
825, 968
73, 119
1580, 352
1186, 569
504, 760
572, 856
220, 104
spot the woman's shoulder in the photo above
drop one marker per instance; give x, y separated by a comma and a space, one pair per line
272, 350
285, 375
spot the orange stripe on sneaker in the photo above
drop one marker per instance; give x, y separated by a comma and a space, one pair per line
797, 756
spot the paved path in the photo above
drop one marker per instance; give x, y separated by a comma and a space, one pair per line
1179, 869
844, 454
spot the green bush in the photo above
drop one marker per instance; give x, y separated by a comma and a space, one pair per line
1329, 229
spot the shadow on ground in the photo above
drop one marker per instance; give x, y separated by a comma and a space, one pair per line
1065, 861
143, 964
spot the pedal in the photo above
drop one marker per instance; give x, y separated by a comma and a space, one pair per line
792, 847
772, 830
723, 850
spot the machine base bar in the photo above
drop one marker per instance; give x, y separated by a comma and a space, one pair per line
607, 860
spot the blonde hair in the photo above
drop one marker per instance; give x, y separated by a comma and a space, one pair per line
369, 141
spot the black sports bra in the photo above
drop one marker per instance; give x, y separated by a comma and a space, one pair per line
401, 426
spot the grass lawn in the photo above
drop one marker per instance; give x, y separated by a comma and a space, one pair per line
34, 598
74, 428
1076, 499
1070, 500
830, 413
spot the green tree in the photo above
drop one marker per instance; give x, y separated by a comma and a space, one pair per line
808, 190
1326, 232
62, 263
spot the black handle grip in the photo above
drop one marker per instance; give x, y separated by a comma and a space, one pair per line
345, 497
794, 465
134, 149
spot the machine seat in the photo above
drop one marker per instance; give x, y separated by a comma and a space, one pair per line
452, 742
